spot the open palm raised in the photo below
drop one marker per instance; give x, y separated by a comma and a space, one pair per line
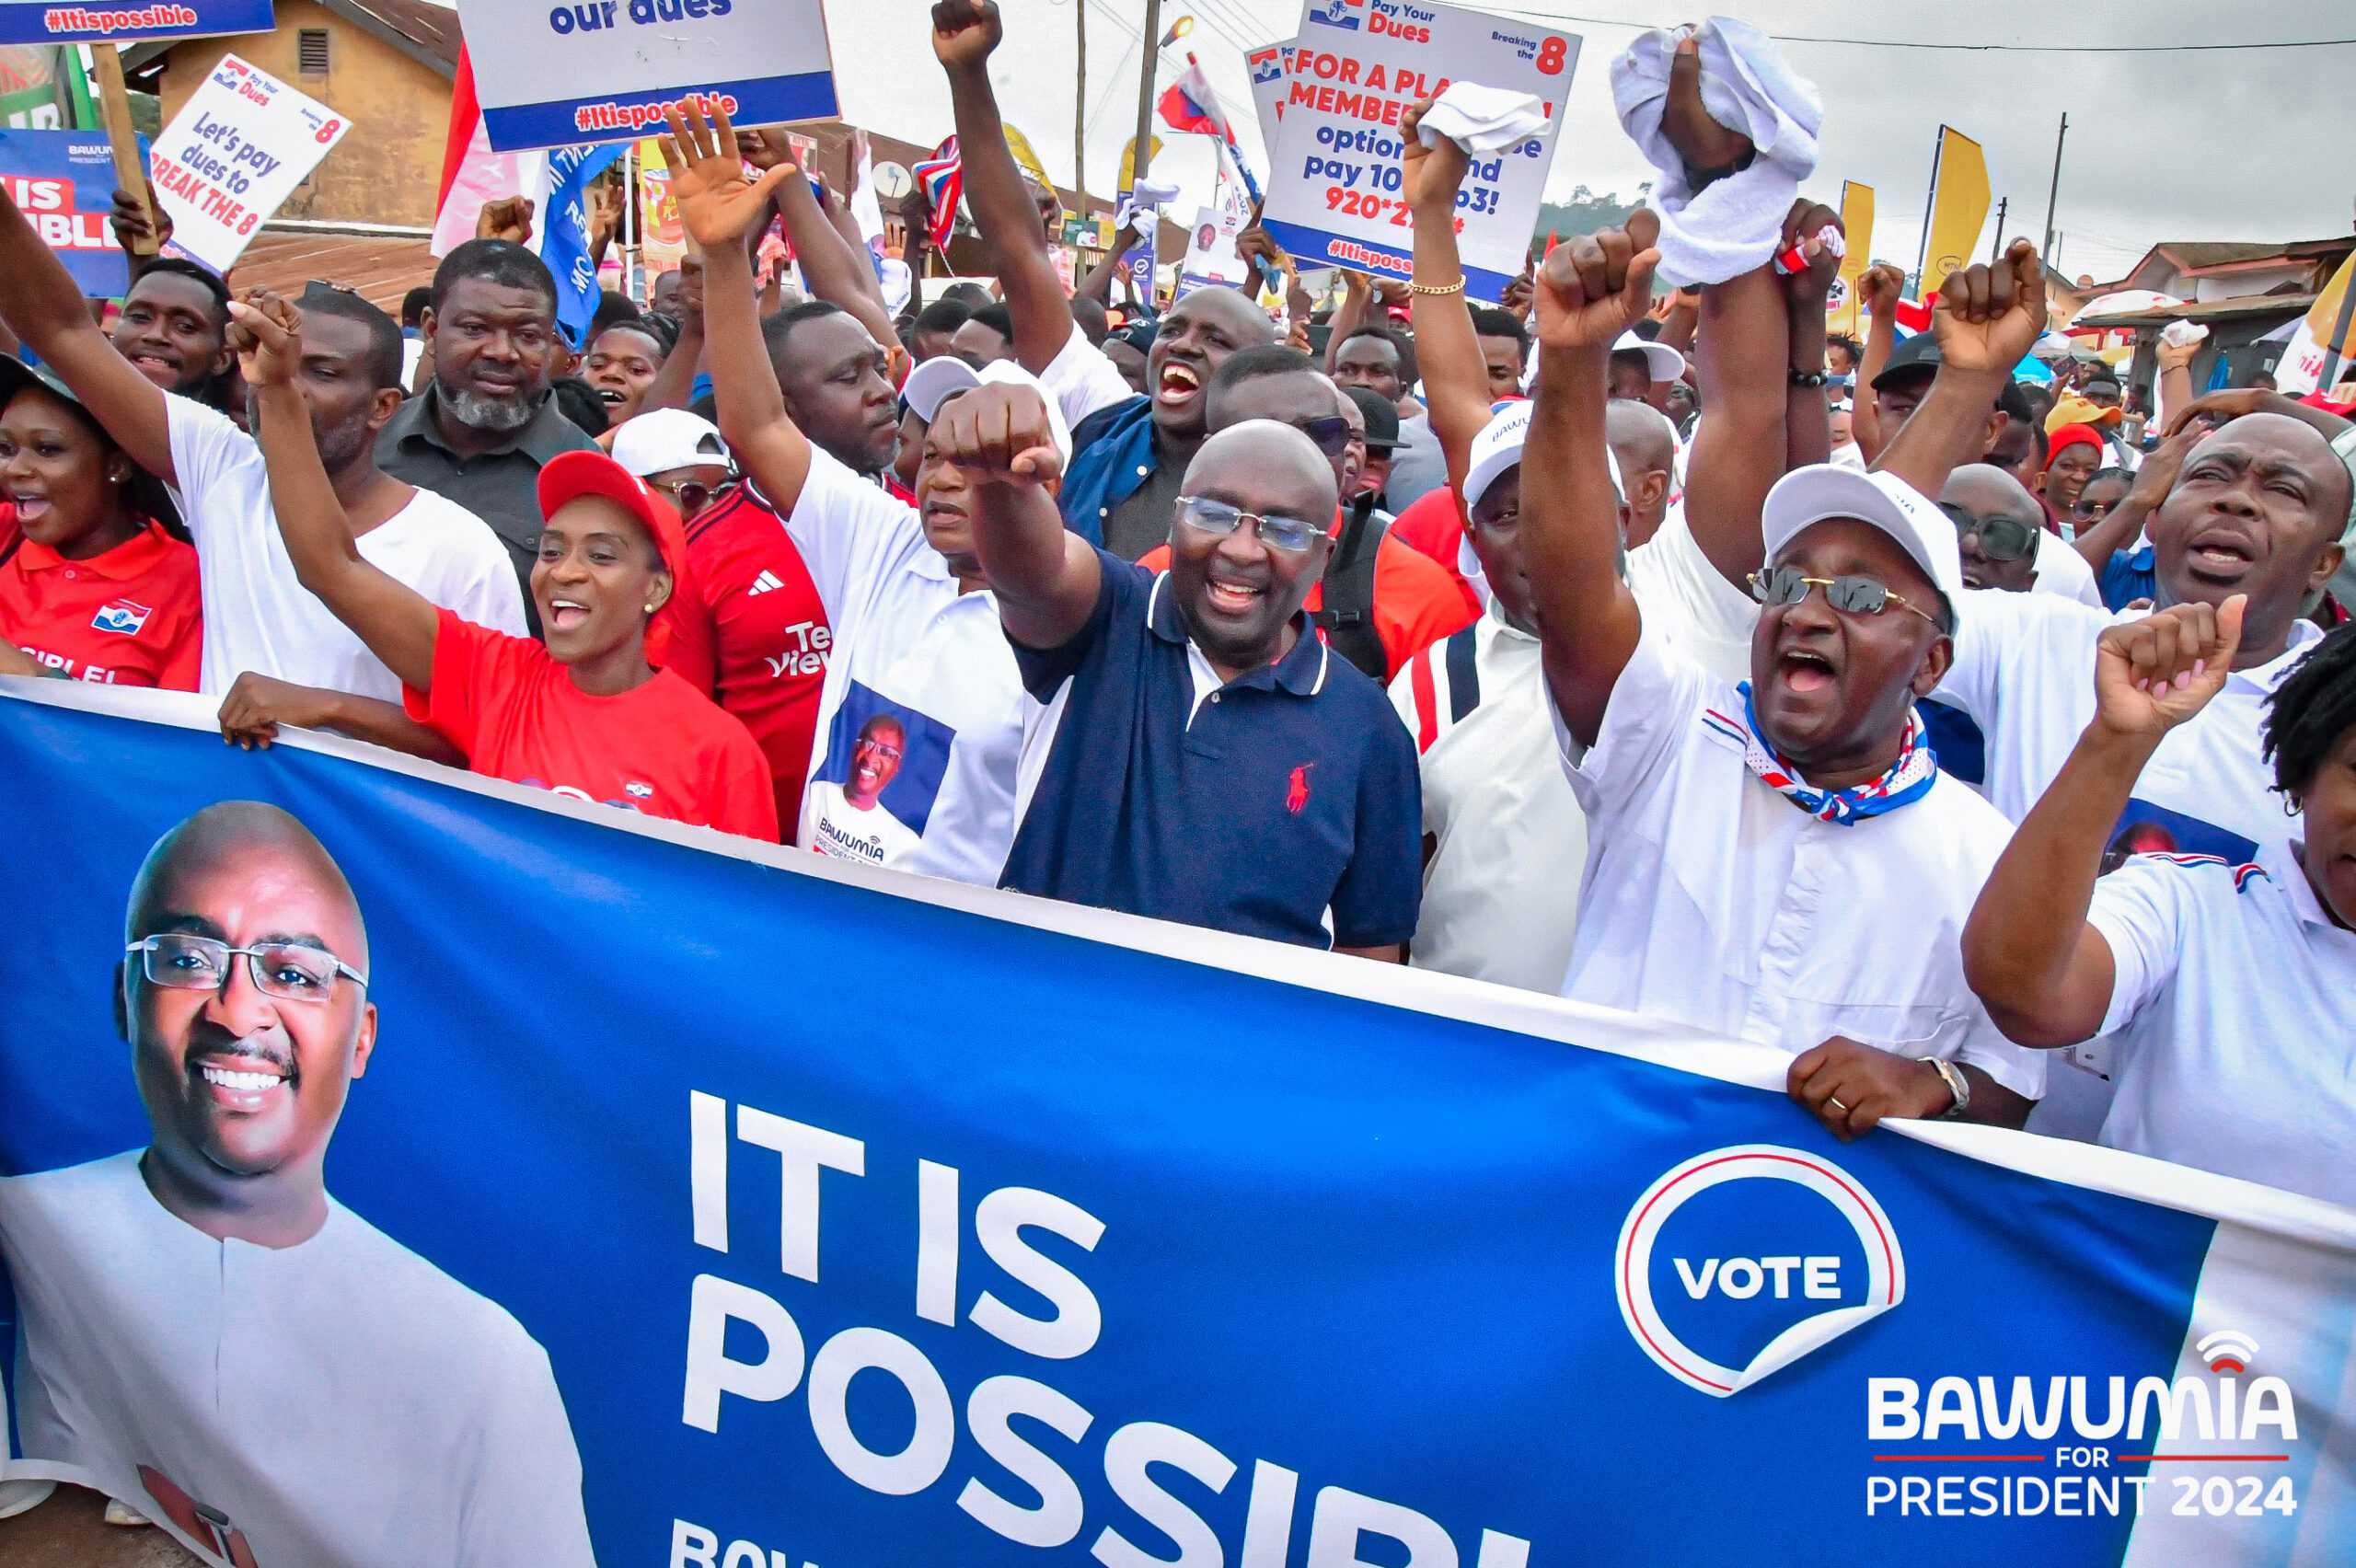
717, 205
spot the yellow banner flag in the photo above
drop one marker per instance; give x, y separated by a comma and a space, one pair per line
1958, 207
1857, 229
2323, 316
1130, 158
1025, 155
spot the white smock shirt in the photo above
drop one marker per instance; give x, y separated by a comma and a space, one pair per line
339, 1402
910, 648
1711, 899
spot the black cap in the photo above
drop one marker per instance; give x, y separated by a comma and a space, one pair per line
1919, 352
1381, 418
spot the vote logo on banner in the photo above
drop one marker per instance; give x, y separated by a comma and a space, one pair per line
1738, 1262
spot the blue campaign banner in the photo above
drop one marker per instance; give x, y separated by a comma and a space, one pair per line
63, 182
564, 241
44, 21
839, 1217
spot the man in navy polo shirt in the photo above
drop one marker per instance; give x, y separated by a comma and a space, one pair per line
1193, 751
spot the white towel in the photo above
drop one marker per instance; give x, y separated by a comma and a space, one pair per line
1732, 225
1482, 119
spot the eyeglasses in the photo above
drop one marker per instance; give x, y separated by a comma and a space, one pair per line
1854, 595
288, 971
1330, 432
2001, 538
1207, 517
690, 496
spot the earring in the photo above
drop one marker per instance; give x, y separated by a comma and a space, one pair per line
2291, 804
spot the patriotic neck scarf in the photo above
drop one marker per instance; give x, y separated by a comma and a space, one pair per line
1907, 781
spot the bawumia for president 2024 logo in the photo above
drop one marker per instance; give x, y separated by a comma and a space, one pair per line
1741, 1260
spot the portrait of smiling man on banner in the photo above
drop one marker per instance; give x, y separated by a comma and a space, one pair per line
208, 1335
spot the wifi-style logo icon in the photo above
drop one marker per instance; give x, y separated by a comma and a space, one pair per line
2227, 1350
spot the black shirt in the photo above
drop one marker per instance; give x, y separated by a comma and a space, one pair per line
1142, 522
501, 486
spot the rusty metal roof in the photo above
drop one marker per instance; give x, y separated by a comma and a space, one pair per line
380, 267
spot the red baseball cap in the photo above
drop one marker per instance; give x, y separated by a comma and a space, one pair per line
569, 476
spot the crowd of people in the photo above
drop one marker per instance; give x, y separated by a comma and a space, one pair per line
1987, 747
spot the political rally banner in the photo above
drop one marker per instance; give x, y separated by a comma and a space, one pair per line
63, 182
234, 154
1336, 194
603, 70
45, 22
403, 1167
1267, 65
564, 234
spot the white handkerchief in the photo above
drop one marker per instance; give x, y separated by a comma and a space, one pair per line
1482, 119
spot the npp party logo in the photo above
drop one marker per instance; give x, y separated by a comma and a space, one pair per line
1741, 1260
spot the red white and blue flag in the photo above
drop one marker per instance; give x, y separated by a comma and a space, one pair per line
1189, 105
943, 178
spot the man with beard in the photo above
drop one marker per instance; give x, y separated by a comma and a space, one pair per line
480, 432
202, 1326
258, 618
1130, 450
1779, 861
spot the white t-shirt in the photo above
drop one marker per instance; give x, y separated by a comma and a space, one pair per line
1500, 891
2025, 670
259, 617
2061, 569
2232, 1021
1691, 601
341, 1401
1083, 379
910, 651
1711, 899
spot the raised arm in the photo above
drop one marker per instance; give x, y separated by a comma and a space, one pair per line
2153, 481
1808, 417
2241, 400
1590, 291
45, 308
1448, 353
835, 270
1357, 293
1046, 578
963, 34
395, 621
675, 384
1986, 317
1743, 358
2044, 972
1880, 289
717, 205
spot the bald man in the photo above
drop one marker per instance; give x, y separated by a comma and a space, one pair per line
1643, 443
209, 1334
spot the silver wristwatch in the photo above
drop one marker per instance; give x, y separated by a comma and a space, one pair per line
1958, 1085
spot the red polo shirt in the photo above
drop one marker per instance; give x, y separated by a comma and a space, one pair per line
752, 634
130, 616
663, 748
1434, 524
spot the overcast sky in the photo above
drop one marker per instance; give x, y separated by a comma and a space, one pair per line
2249, 145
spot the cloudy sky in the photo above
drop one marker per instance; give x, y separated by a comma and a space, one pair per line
2245, 145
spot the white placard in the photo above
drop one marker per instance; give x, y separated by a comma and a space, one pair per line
602, 69
1267, 65
234, 154
1334, 195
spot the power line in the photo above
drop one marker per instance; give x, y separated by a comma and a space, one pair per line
1966, 48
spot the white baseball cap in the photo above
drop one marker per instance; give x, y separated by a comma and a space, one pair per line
1820, 491
663, 439
1663, 363
942, 376
1498, 448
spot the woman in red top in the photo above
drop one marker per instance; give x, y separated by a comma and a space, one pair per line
589, 714
91, 587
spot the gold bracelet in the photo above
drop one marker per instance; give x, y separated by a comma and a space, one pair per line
1454, 288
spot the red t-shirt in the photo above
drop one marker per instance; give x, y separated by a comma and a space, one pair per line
130, 616
752, 634
663, 748
1416, 603
1434, 525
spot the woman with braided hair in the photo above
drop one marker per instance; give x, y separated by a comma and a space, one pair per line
2229, 991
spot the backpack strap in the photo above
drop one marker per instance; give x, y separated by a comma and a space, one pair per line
1348, 617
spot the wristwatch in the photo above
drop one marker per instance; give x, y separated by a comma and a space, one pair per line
1958, 1085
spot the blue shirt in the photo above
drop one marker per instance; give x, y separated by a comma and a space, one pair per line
1112, 454
2129, 575
1288, 793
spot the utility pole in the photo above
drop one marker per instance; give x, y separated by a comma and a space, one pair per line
1079, 113
2054, 190
1152, 48
2002, 204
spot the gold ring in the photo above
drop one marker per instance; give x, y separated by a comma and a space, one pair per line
1834, 1101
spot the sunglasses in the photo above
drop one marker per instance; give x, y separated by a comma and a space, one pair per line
1332, 434
1852, 596
2001, 538
1207, 517
688, 495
